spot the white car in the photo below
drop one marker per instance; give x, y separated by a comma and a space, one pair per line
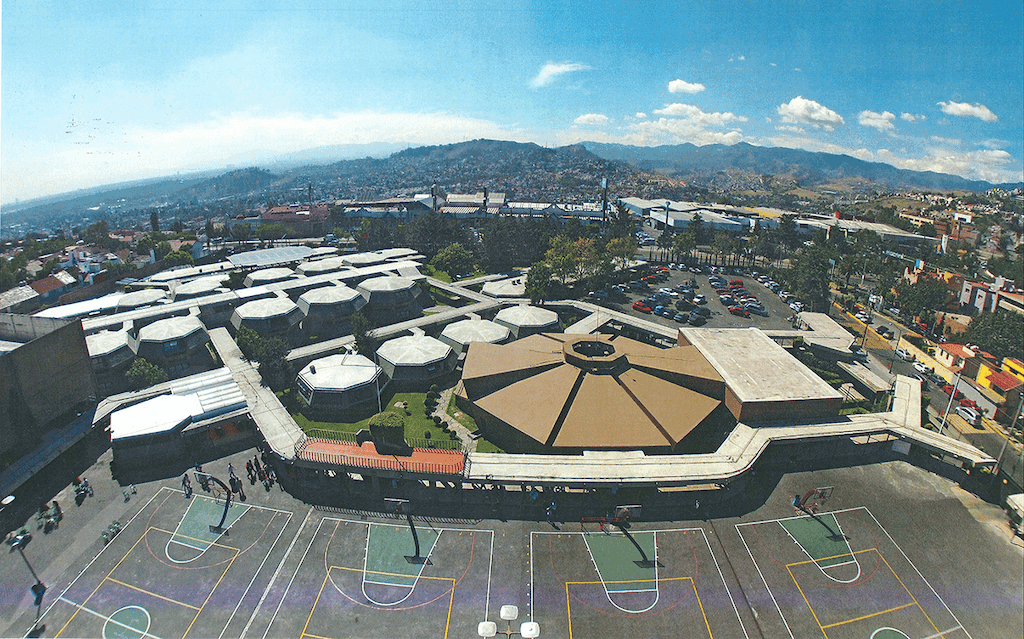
904, 355
920, 367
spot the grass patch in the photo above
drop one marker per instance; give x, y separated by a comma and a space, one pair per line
417, 423
447, 299
461, 417
485, 446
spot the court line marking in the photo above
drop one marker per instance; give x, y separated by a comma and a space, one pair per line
150, 593
772, 521
608, 593
765, 582
174, 534
255, 574
195, 500
247, 505
366, 559
724, 584
960, 625
273, 579
336, 520
936, 628
568, 607
707, 542
212, 590
93, 560
846, 541
102, 616
874, 614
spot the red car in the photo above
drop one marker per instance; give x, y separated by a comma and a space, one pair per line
640, 306
968, 403
739, 310
948, 388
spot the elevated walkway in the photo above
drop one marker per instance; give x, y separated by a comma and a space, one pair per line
736, 455
365, 456
278, 428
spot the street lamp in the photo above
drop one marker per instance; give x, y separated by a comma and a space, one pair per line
18, 542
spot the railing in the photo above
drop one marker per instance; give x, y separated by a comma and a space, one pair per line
346, 454
351, 438
333, 435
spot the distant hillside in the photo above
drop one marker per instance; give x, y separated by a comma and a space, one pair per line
241, 183
688, 162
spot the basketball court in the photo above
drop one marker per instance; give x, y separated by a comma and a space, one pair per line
405, 579
172, 572
840, 575
610, 580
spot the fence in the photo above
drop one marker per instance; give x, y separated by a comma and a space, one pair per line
325, 451
352, 438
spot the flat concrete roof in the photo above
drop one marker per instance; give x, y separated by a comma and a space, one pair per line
413, 350
262, 309
105, 342
170, 329
755, 368
268, 275
141, 298
526, 315
200, 286
154, 416
386, 284
474, 330
326, 265
332, 295
339, 372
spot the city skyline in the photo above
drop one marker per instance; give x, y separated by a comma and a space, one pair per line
99, 93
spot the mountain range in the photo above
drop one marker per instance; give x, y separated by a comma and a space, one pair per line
689, 162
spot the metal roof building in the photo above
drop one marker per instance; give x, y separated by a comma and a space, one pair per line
391, 299
138, 299
272, 317
326, 310
268, 276
198, 287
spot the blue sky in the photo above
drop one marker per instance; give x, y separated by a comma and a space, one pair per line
97, 92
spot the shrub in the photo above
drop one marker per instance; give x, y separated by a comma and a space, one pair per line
437, 419
434, 388
426, 434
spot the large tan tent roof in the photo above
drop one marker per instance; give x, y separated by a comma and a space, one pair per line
592, 391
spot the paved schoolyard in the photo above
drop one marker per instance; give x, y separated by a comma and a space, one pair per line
896, 551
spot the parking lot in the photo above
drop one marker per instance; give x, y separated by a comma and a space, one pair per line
719, 317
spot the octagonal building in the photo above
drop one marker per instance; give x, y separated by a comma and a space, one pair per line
416, 360
390, 299
460, 334
527, 320
327, 310
273, 317
332, 385
139, 299
177, 344
268, 276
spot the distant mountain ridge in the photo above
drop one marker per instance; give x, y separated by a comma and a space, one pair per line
687, 161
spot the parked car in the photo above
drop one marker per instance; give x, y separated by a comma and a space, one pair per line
702, 310
924, 382
904, 355
920, 367
948, 389
970, 415
700, 299
681, 317
640, 306
696, 319
884, 331
757, 309
739, 310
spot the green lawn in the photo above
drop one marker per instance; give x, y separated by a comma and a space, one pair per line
482, 445
417, 423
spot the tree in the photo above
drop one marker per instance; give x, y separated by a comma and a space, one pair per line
621, 250
684, 243
809, 277
144, 374
620, 222
248, 341
453, 259
241, 232
700, 230
162, 250
789, 234
388, 431
154, 221
275, 369
272, 231
928, 294
998, 333
178, 258
361, 334
538, 282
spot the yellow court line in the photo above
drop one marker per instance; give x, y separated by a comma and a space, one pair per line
874, 614
313, 636
809, 606
845, 554
212, 590
150, 593
205, 541
568, 606
447, 623
392, 574
96, 589
921, 608
704, 614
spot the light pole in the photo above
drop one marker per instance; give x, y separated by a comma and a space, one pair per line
38, 588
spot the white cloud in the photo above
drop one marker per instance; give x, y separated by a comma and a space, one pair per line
789, 127
879, 121
640, 115
694, 114
142, 152
554, 70
682, 86
737, 58
963, 109
800, 110
912, 117
949, 141
984, 164
773, 64
592, 118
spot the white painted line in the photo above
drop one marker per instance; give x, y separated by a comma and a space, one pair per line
721, 575
294, 574
772, 521
254, 575
106, 618
765, 582
960, 626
